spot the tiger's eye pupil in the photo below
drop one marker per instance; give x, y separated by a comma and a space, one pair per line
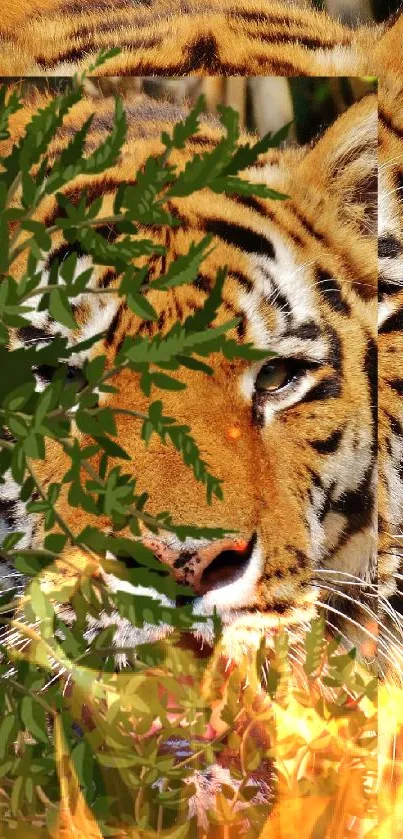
272, 376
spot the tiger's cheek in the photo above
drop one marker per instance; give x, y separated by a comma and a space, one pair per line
222, 427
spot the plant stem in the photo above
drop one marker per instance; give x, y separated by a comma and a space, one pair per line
56, 287
54, 228
28, 692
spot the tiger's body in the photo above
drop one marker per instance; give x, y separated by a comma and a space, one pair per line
173, 37
299, 478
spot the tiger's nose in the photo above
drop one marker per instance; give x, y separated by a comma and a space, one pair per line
212, 566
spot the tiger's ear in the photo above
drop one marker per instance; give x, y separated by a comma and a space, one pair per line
343, 166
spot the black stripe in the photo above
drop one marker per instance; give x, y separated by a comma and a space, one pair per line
29, 334
161, 320
278, 608
114, 325
386, 287
309, 330
77, 7
395, 425
203, 52
397, 385
328, 388
308, 227
335, 355
273, 66
330, 444
241, 237
203, 283
279, 300
389, 124
243, 281
394, 323
330, 289
389, 247
302, 557
265, 17
8, 511
63, 251
200, 140
357, 506
108, 278
371, 372
298, 40
250, 202
108, 231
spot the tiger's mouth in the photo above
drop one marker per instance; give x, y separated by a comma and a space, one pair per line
226, 569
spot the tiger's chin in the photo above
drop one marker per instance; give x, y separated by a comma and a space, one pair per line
237, 633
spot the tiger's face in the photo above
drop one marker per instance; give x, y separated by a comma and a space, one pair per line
291, 437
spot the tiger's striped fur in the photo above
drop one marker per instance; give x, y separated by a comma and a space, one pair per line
391, 344
178, 37
299, 478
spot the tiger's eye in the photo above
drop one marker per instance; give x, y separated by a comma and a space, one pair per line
273, 375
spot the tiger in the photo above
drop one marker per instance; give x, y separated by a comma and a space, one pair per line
299, 475
177, 38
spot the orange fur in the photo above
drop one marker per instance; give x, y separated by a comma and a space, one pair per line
220, 37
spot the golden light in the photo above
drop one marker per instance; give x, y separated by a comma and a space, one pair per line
234, 433
305, 744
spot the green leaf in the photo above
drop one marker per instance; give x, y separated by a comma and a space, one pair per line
18, 464
38, 135
16, 399
247, 155
8, 733
32, 565
142, 199
4, 250
39, 602
314, 644
103, 56
201, 170
34, 718
206, 315
183, 130
60, 309
16, 794
141, 610
185, 268
141, 306
38, 229
8, 107
55, 542
167, 382
237, 186
111, 447
11, 540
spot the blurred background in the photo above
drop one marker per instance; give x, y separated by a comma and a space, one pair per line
264, 103
356, 11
